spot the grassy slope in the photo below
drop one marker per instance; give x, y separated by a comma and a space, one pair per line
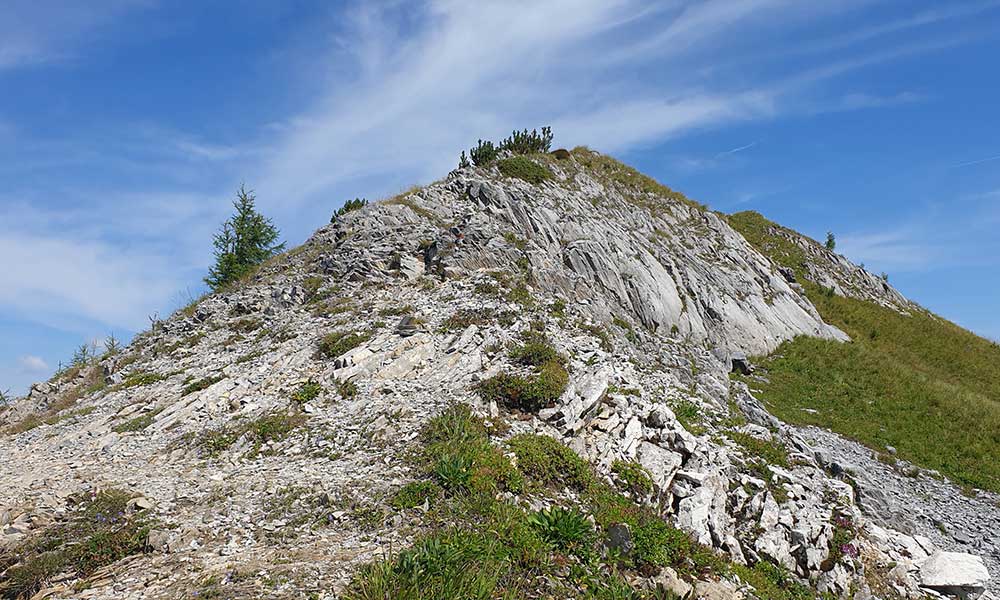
918, 383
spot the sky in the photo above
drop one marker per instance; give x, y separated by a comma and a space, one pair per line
127, 125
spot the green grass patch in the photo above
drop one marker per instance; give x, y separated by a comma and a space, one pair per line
483, 547
549, 462
338, 343
140, 379
268, 428
201, 384
307, 392
635, 477
916, 382
525, 169
138, 423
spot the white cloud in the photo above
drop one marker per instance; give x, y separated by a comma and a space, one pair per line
32, 364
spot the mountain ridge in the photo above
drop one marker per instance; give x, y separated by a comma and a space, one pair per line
302, 392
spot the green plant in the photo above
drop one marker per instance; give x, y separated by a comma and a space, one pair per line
138, 423
527, 394
548, 462
525, 169
525, 142
346, 388
139, 379
245, 241
831, 241
566, 529
350, 205
200, 384
483, 153
635, 477
338, 343
415, 493
307, 392
770, 451
454, 472
536, 352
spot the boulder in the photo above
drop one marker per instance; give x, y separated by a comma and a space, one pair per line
956, 573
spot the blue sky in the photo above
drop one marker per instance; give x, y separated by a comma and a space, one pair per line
126, 125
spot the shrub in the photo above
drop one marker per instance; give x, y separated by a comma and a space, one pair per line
350, 205
527, 394
636, 478
339, 343
535, 353
138, 379
483, 154
245, 241
549, 462
525, 169
346, 389
831, 241
523, 142
307, 392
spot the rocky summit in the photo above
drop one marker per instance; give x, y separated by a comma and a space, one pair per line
497, 385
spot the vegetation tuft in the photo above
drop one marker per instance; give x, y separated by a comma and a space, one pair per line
525, 169
339, 343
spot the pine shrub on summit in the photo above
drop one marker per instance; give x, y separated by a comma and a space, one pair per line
246, 240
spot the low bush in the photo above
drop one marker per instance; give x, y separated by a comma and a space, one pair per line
201, 384
338, 343
549, 462
349, 206
527, 394
635, 477
307, 392
525, 169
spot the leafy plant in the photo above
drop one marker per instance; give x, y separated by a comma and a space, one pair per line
566, 529
831, 241
307, 392
245, 241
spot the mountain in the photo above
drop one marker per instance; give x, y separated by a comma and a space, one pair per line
545, 377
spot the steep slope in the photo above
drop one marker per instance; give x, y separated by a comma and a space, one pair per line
937, 385
291, 436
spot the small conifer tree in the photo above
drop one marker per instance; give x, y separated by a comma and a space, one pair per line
244, 241
831, 241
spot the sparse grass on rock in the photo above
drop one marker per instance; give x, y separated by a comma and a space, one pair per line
99, 530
